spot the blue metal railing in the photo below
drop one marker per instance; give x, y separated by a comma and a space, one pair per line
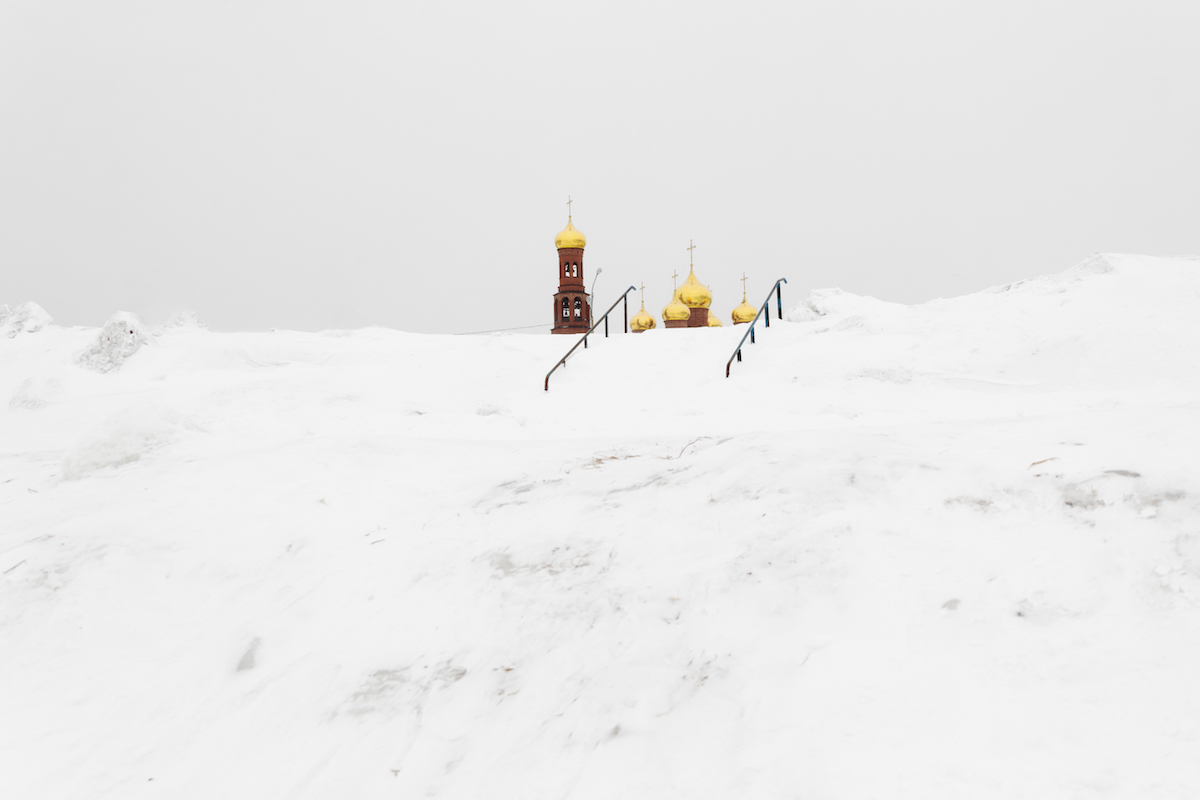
562, 362
764, 308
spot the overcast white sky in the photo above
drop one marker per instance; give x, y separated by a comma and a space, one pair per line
340, 164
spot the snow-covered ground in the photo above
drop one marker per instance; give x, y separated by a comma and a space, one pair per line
942, 551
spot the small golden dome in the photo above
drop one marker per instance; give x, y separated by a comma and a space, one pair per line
569, 237
676, 310
693, 293
642, 321
714, 321
744, 313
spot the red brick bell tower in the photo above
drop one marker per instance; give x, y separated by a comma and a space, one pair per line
572, 311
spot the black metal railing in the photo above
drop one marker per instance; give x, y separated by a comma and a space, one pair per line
765, 307
562, 362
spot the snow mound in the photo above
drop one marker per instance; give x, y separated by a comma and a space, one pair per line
1111, 320
835, 307
955, 541
123, 438
34, 393
120, 338
183, 319
25, 318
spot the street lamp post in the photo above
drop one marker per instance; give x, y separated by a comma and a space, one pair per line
592, 294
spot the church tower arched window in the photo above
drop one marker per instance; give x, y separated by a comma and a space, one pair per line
578, 308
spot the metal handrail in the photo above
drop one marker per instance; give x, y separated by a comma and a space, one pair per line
562, 362
778, 290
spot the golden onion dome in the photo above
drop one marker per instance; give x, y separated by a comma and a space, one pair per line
642, 321
714, 321
569, 237
744, 313
693, 293
676, 310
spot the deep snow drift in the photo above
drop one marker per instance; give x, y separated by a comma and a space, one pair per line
942, 551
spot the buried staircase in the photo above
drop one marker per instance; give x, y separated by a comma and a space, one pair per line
764, 313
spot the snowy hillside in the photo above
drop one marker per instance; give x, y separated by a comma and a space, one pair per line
940, 551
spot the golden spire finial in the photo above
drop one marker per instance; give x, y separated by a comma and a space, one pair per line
691, 247
643, 290
675, 279
744, 279
570, 237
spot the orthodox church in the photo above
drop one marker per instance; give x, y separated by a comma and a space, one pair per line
689, 307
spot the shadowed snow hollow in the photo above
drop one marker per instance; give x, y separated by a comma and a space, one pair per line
122, 438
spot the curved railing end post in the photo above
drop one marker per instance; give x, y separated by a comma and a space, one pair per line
562, 362
764, 308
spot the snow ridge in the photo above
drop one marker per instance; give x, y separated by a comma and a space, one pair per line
957, 542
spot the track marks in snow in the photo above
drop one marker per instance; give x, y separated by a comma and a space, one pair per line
564, 559
401, 690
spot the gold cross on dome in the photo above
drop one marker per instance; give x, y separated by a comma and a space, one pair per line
744, 279
691, 247
568, 207
643, 288
674, 278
